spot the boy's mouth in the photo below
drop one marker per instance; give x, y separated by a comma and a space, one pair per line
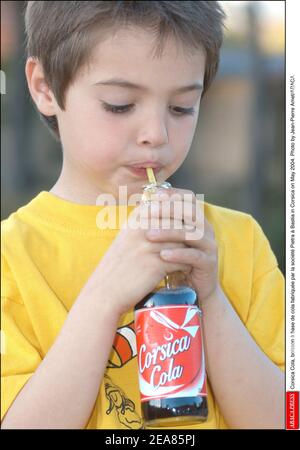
140, 170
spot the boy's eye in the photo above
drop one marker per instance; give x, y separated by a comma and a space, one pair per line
183, 111
119, 109
116, 109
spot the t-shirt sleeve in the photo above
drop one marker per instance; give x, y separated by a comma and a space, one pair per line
20, 355
266, 318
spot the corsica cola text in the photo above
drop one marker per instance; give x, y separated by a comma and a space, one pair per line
170, 354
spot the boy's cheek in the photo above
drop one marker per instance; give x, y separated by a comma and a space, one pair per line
100, 154
92, 144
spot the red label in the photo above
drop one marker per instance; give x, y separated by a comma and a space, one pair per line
170, 353
292, 410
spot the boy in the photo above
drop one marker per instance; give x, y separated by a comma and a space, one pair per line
69, 288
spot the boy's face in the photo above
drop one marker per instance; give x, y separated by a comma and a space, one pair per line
102, 146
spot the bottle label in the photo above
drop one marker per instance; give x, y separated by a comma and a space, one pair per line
170, 352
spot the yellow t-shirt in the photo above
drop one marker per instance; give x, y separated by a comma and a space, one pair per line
49, 249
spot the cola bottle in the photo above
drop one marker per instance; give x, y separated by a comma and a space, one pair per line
170, 352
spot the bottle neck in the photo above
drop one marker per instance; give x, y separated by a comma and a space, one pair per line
152, 188
175, 279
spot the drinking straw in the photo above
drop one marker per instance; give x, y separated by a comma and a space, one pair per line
151, 176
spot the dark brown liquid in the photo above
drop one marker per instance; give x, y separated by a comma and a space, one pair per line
165, 412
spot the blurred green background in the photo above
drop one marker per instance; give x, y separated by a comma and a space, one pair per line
237, 157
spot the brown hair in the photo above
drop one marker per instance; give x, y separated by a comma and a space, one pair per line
62, 34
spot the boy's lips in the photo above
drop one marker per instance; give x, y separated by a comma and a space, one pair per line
139, 170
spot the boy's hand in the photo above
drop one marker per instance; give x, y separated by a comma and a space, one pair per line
132, 267
201, 253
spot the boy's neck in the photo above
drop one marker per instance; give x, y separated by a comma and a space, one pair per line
73, 196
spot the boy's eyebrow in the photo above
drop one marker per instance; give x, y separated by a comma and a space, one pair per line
127, 84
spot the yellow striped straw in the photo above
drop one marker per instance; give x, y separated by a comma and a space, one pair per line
150, 174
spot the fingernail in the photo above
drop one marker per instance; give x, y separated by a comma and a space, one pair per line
166, 253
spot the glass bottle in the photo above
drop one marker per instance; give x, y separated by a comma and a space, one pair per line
170, 350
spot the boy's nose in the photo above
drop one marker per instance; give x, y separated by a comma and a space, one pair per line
154, 134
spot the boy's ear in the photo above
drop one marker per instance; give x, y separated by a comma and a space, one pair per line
40, 92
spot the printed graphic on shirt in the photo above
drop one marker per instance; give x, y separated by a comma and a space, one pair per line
123, 407
124, 349
124, 346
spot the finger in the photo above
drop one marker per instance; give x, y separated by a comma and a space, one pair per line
191, 213
188, 212
170, 193
156, 247
171, 267
190, 237
189, 256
